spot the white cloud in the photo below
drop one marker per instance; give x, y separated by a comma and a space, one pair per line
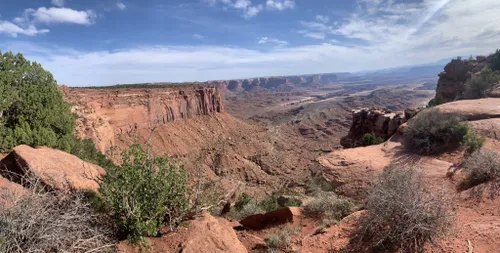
280, 4
9, 28
121, 5
62, 15
58, 3
249, 9
381, 35
264, 40
322, 19
198, 37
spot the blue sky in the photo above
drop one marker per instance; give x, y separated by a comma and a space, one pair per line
104, 42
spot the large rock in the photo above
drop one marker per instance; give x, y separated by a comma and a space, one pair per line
56, 169
382, 123
277, 217
203, 235
10, 191
473, 109
451, 83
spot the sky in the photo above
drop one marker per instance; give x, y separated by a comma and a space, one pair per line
106, 42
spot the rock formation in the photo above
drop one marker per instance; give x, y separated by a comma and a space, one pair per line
274, 83
382, 123
451, 83
106, 113
56, 169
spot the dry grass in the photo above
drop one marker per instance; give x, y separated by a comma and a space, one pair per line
328, 205
482, 166
403, 213
51, 222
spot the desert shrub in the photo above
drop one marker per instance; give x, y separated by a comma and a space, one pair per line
328, 206
242, 201
431, 132
52, 222
248, 209
282, 240
436, 101
144, 193
482, 166
477, 86
86, 150
370, 139
472, 141
403, 213
32, 109
495, 64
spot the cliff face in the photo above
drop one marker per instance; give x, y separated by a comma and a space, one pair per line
382, 123
451, 83
274, 83
106, 113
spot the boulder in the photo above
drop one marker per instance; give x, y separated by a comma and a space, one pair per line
206, 234
382, 123
10, 191
477, 109
277, 217
56, 169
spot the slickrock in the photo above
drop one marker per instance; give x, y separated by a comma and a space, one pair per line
56, 169
202, 235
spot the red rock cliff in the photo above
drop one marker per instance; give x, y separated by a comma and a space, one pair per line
106, 113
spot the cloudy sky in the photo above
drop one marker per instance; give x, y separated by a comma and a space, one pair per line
104, 42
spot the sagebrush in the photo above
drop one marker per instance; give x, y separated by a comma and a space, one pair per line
403, 213
328, 205
432, 132
40, 221
482, 166
478, 86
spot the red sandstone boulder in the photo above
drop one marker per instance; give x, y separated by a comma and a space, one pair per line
56, 169
10, 191
203, 235
277, 217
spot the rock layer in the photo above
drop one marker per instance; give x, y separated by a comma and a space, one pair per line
106, 113
277, 82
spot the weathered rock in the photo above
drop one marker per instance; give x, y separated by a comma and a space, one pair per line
274, 83
277, 217
473, 109
382, 123
56, 169
202, 235
451, 83
10, 191
103, 114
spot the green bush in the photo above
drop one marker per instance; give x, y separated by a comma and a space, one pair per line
243, 200
32, 109
86, 150
495, 65
144, 193
403, 213
436, 101
432, 132
482, 166
281, 241
371, 139
328, 206
478, 86
472, 141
